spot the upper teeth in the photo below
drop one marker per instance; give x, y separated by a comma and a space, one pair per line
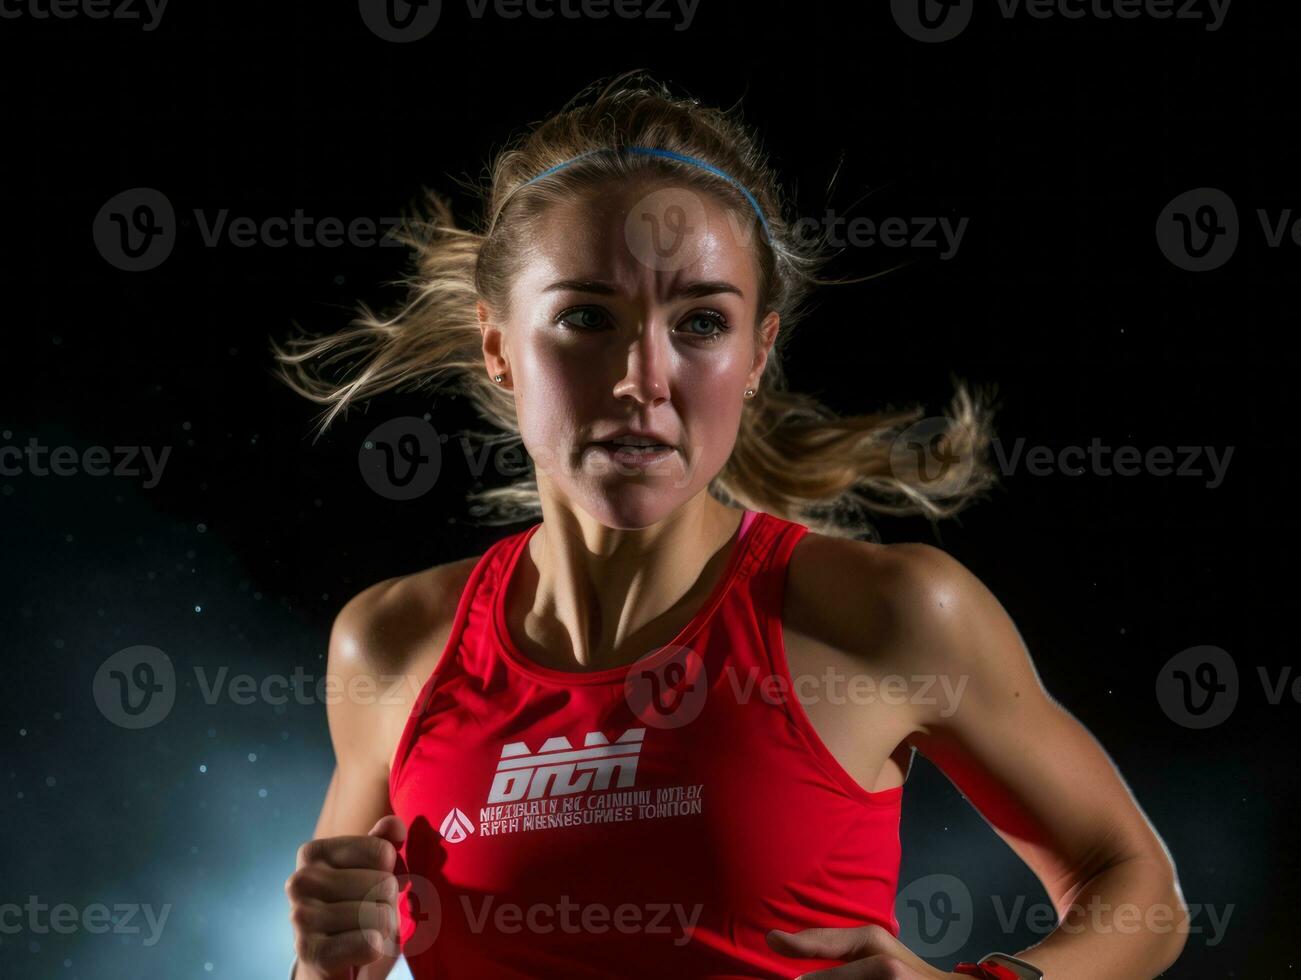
634, 441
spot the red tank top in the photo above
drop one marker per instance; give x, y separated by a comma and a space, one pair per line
650, 820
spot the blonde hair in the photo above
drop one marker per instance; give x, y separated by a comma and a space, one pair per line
794, 457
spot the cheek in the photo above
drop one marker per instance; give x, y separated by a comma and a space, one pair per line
554, 396
708, 400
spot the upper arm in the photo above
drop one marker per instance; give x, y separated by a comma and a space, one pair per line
358, 792
357, 795
383, 645
1037, 775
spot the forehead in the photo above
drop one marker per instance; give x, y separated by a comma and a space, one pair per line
645, 237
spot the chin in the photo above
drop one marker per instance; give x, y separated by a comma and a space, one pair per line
628, 500
630, 505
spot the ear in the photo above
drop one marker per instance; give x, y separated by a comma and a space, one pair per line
494, 346
767, 337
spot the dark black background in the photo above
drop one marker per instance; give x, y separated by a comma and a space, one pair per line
1060, 139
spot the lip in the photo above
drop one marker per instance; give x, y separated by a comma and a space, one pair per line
650, 434
634, 459
631, 459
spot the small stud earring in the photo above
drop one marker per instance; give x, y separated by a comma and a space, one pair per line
499, 378
749, 392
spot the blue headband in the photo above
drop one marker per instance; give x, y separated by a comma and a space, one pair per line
668, 155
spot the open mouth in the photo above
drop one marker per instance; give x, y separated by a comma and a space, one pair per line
635, 452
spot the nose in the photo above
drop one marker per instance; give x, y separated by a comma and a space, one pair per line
645, 378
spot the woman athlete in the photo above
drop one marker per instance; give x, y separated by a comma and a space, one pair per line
665, 730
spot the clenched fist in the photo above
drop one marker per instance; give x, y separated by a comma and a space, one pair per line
343, 901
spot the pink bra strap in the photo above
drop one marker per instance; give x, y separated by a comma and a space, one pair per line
746, 521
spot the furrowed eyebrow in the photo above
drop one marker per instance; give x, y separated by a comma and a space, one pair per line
695, 290
691, 290
582, 286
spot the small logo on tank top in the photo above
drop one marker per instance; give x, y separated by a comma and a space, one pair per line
456, 827
558, 769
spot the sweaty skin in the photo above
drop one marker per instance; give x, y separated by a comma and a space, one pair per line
919, 653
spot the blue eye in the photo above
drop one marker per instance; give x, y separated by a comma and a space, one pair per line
712, 320
708, 325
583, 318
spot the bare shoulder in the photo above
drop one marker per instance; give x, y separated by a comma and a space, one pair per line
384, 644
392, 623
379, 656
910, 609
862, 597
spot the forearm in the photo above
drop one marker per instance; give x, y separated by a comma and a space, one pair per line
1128, 922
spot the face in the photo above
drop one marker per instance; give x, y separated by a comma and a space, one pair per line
634, 312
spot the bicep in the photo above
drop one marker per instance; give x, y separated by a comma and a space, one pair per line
1037, 775
358, 792
357, 795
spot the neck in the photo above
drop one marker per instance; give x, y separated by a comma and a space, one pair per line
594, 597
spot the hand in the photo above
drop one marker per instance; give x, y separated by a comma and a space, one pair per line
343, 900
873, 952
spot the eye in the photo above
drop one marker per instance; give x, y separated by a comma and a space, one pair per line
709, 320
583, 318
